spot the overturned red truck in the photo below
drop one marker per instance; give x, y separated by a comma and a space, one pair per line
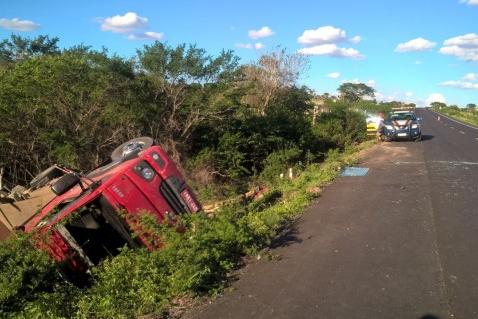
87, 217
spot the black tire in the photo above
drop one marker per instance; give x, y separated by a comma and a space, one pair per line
44, 177
385, 138
137, 144
65, 183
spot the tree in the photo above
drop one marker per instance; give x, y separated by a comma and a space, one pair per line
273, 72
471, 107
19, 48
438, 105
186, 88
62, 109
353, 92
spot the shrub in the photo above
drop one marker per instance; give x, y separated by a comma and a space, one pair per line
30, 285
279, 162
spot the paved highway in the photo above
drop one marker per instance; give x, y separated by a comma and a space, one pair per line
399, 242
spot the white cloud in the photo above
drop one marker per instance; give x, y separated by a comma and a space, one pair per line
464, 47
325, 35
323, 41
124, 24
469, 40
17, 25
409, 94
461, 84
333, 75
370, 83
435, 97
356, 81
244, 45
257, 46
146, 36
418, 62
262, 33
355, 39
418, 44
379, 96
471, 76
470, 2
332, 50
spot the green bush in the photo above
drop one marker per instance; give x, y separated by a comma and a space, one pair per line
30, 284
194, 261
340, 127
196, 256
279, 162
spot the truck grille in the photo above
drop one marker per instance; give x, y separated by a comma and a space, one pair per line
173, 198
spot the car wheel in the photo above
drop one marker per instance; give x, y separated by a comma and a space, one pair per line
44, 177
132, 146
418, 139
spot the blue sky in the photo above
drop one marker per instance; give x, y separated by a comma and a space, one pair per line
416, 51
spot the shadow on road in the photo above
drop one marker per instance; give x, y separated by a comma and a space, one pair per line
288, 235
427, 138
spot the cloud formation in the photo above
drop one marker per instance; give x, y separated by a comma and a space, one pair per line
146, 36
471, 77
124, 24
130, 23
264, 32
465, 47
333, 75
323, 41
325, 35
418, 44
250, 46
468, 82
331, 50
470, 2
435, 97
461, 84
18, 25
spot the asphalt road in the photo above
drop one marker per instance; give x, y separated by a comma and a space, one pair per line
399, 242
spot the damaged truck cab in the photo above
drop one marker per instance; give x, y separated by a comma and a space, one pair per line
93, 214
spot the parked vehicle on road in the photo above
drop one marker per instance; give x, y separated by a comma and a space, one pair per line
373, 121
92, 215
402, 124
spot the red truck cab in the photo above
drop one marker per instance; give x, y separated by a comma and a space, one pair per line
93, 214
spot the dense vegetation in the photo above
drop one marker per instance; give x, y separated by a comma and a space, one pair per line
221, 121
467, 115
230, 126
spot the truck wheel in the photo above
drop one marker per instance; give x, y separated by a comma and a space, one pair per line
132, 146
44, 177
65, 183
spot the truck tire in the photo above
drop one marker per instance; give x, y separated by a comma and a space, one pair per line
65, 183
131, 147
44, 177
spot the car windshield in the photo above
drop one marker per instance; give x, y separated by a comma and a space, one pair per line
401, 116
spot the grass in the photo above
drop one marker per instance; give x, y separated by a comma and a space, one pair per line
194, 263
